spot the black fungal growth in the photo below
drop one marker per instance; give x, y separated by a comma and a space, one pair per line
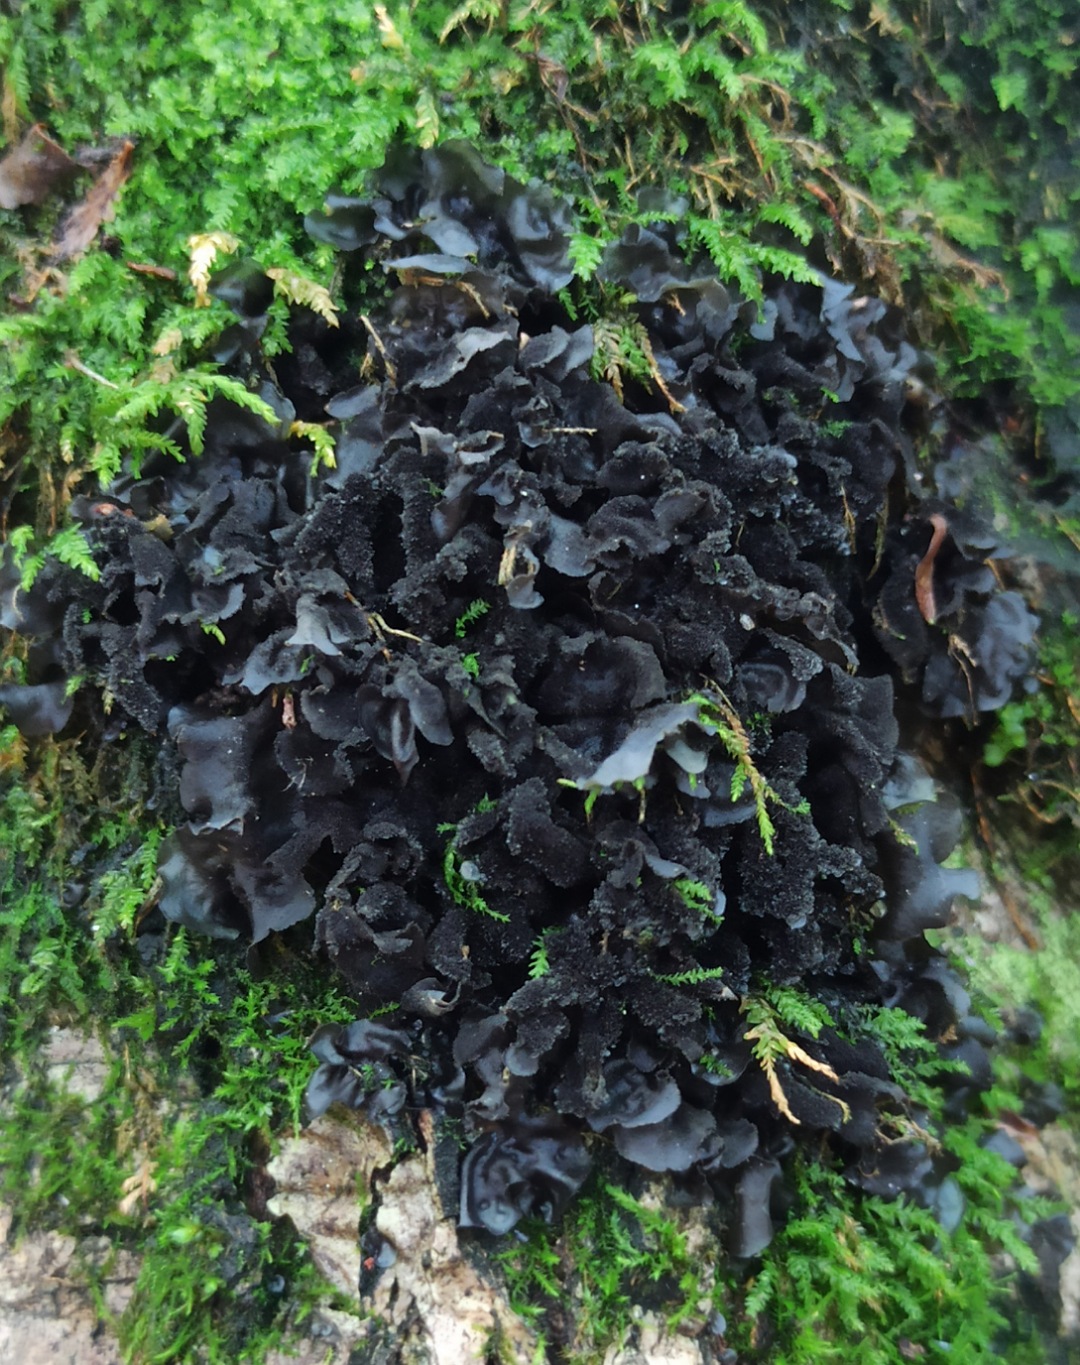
562, 709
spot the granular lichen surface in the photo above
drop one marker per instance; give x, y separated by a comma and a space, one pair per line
559, 701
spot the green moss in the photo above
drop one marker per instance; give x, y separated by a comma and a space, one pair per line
202, 1065
463, 890
848, 1276
717, 716
1043, 976
160, 1169
213, 1285
851, 1277
697, 896
590, 1279
1036, 741
60, 1161
255, 1032
900, 153
474, 612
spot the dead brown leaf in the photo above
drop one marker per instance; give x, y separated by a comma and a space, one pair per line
204, 248
138, 1188
34, 169
159, 272
924, 573
81, 225
882, 18
948, 258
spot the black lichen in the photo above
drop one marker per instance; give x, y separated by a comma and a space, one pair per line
566, 719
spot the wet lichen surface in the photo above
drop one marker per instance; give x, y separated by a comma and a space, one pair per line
556, 710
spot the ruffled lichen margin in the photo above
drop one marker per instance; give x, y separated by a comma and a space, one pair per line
569, 82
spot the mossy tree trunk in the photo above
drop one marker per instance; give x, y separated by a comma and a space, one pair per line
921, 153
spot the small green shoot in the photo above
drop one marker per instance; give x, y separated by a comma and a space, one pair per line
697, 896
69, 546
463, 890
472, 613
322, 443
697, 976
718, 717
539, 962
771, 1014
